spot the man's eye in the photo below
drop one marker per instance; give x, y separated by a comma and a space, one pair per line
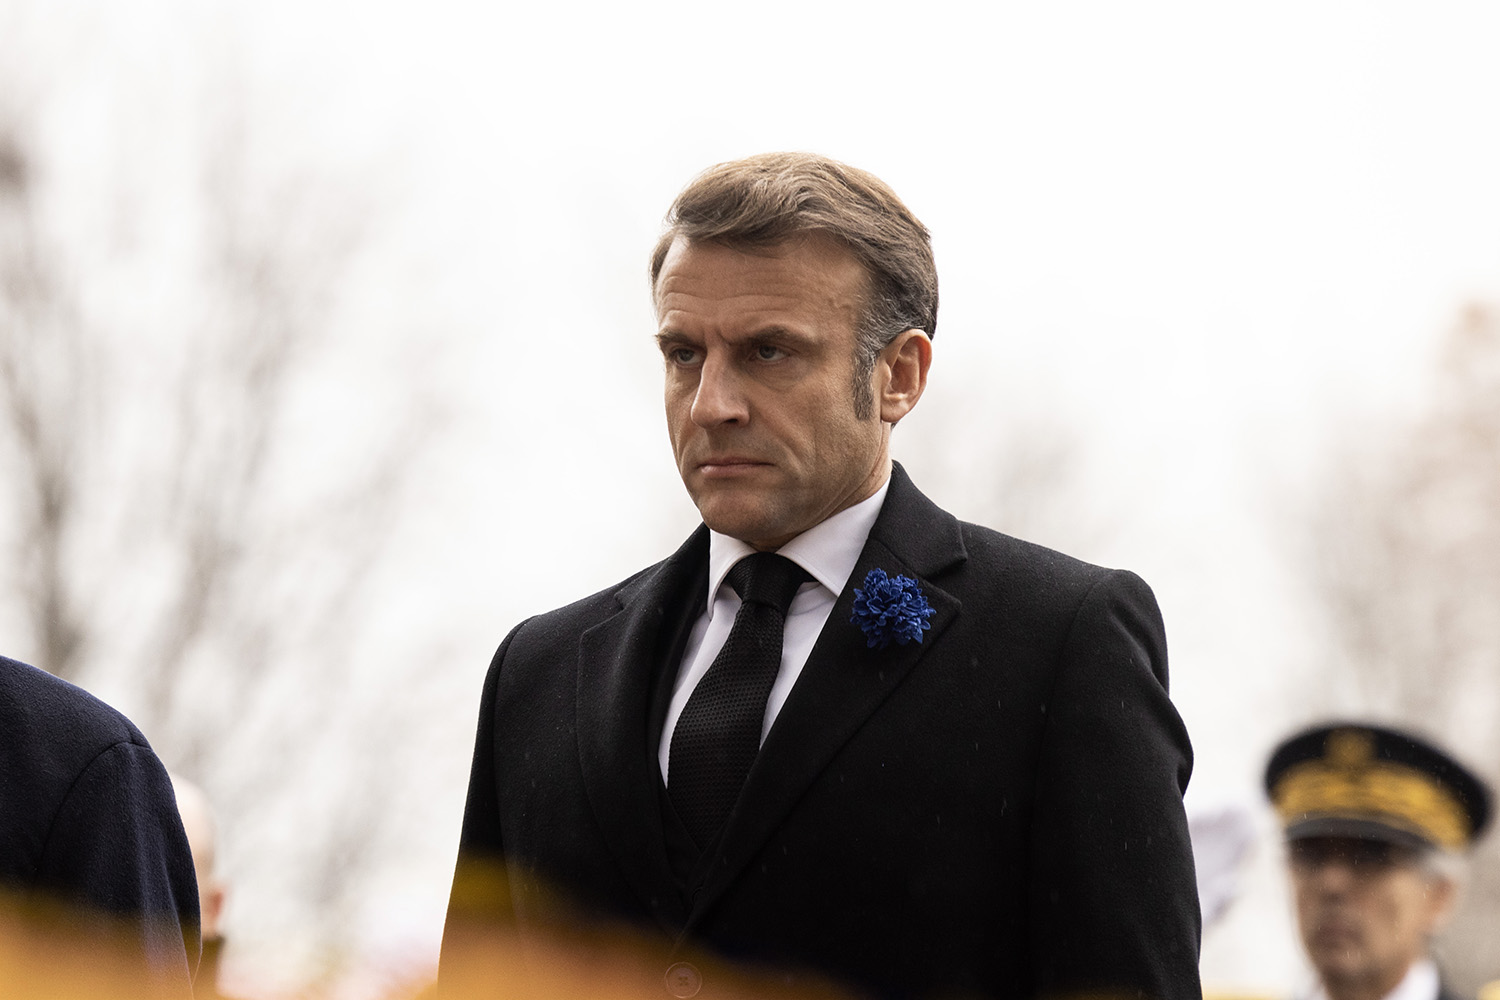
769, 352
682, 355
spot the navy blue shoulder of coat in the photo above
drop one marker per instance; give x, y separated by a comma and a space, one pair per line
52, 731
88, 818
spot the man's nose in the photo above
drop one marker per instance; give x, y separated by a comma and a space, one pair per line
720, 398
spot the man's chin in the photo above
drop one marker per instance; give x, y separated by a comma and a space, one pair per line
749, 523
1339, 961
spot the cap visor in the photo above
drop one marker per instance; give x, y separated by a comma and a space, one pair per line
1358, 829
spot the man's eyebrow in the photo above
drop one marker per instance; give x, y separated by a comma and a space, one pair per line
776, 332
782, 335
671, 338
767, 334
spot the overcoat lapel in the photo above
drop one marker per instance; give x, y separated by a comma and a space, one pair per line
617, 664
844, 681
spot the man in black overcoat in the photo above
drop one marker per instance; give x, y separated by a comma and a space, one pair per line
947, 767
94, 863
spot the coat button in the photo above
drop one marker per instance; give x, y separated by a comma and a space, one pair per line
684, 980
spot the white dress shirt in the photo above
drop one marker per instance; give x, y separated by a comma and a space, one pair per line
828, 551
1420, 983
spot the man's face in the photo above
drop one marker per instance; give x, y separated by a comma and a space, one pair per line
1366, 910
759, 352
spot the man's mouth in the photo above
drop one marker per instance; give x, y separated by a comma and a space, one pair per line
728, 466
1335, 934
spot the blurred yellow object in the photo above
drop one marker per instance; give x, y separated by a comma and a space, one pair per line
52, 952
564, 954
1489, 991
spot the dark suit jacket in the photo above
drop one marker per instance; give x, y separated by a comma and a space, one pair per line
995, 812
89, 830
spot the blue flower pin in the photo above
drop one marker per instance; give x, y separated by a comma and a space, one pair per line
890, 608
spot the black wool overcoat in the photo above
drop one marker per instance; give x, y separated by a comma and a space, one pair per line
993, 812
89, 830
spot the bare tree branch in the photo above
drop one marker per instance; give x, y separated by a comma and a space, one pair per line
44, 378
188, 505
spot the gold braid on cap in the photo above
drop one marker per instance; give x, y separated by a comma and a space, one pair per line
1375, 790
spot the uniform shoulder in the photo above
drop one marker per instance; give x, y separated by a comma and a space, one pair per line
38, 709
51, 734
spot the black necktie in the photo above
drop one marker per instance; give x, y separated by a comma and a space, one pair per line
718, 733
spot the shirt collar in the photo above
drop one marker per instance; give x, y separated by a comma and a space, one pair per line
1421, 982
828, 550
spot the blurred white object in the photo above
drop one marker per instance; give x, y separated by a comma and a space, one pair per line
1221, 837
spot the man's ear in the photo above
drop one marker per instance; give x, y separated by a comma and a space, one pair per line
901, 374
211, 905
1442, 897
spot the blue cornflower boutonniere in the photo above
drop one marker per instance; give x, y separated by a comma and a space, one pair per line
890, 608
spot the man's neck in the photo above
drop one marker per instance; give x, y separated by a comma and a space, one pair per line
827, 550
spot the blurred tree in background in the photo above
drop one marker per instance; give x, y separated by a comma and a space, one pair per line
1405, 556
188, 532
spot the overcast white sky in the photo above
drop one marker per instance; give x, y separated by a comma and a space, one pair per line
1200, 234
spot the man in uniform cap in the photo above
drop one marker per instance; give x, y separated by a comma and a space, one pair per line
1374, 820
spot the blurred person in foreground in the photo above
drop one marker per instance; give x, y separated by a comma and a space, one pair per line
1376, 821
95, 871
203, 838
839, 739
